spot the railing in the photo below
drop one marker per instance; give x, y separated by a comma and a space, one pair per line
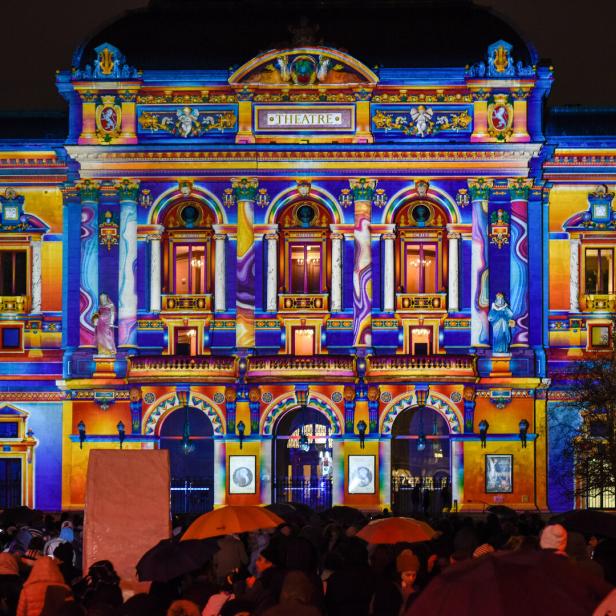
421, 301
416, 496
205, 367
315, 492
187, 303
401, 366
14, 303
191, 495
303, 301
322, 367
599, 302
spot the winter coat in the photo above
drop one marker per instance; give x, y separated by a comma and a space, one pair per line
230, 556
10, 584
45, 585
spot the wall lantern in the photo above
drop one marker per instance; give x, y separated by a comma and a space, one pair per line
483, 432
523, 425
82, 433
121, 433
361, 428
241, 428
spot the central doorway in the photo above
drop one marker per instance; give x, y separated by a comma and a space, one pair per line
420, 462
303, 459
188, 435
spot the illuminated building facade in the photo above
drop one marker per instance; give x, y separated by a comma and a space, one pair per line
325, 276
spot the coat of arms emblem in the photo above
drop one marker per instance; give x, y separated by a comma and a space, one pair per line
108, 118
500, 117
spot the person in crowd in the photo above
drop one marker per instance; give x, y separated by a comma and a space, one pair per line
264, 591
297, 597
44, 590
579, 554
554, 537
231, 555
482, 550
407, 566
183, 607
10, 584
100, 587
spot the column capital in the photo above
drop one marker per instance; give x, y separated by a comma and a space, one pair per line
480, 188
334, 235
88, 190
245, 189
519, 188
454, 235
271, 236
219, 237
388, 236
128, 189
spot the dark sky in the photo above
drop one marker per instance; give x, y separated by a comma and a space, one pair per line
38, 37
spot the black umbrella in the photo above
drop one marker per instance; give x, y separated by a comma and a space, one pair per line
171, 558
21, 515
589, 522
342, 514
288, 512
502, 511
529, 582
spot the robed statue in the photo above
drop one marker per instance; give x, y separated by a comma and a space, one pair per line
500, 316
103, 320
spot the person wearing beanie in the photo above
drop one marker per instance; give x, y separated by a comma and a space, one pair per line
407, 566
482, 550
554, 537
264, 590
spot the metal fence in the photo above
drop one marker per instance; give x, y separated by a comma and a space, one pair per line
314, 492
191, 495
417, 496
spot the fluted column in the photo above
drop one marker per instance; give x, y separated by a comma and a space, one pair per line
574, 276
89, 192
389, 272
220, 266
336, 285
480, 292
36, 275
363, 190
128, 191
453, 280
245, 192
155, 271
272, 271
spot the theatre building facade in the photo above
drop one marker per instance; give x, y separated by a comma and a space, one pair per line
312, 277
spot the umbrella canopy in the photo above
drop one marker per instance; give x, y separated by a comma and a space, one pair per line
170, 558
21, 515
231, 519
396, 530
589, 522
288, 512
502, 510
343, 515
529, 582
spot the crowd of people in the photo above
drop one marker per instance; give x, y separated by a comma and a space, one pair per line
316, 567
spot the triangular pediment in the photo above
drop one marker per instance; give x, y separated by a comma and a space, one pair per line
304, 67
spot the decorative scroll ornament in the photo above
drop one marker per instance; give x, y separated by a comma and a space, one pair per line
500, 117
463, 198
109, 64
108, 117
362, 189
500, 64
499, 228
145, 198
244, 189
600, 204
108, 231
187, 121
13, 217
421, 121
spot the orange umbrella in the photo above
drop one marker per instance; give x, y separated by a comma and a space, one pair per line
231, 519
396, 530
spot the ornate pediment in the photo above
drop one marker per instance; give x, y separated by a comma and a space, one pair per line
303, 67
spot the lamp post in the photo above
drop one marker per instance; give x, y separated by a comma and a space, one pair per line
361, 428
82, 433
523, 425
241, 428
121, 433
483, 432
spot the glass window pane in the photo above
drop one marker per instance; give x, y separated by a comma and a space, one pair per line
21, 275
605, 268
313, 265
429, 268
600, 336
6, 265
413, 268
182, 271
297, 268
592, 270
197, 266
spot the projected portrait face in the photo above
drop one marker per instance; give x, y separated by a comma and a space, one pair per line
242, 475
361, 475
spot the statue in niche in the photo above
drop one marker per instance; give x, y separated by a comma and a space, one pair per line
103, 320
500, 317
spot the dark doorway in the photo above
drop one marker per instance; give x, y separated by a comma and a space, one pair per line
420, 463
188, 435
303, 459
10, 482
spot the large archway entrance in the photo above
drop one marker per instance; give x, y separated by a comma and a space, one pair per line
303, 459
188, 435
420, 462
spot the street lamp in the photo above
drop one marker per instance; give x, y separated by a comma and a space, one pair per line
82, 433
241, 428
483, 432
121, 433
361, 428
523, 425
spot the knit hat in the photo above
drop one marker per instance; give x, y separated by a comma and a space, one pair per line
407, 561
484, 548
554, 537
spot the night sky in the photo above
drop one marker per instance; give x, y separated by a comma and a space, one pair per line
39, 36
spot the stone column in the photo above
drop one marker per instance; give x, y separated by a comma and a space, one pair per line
220, 273
480, 295
336, 285
128, 192
385, 472
36, 275
574, 275
155, 271
518, 282
363, 192
272, 272
389, 272
245, 192
89, 193
453, 278
480, 114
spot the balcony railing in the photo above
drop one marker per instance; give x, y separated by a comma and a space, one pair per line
320, 367
385, 367
187, 303
202, 368
606, 303
421, 301
13, 303
313, 302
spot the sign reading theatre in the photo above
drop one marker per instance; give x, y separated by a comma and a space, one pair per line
302, 118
